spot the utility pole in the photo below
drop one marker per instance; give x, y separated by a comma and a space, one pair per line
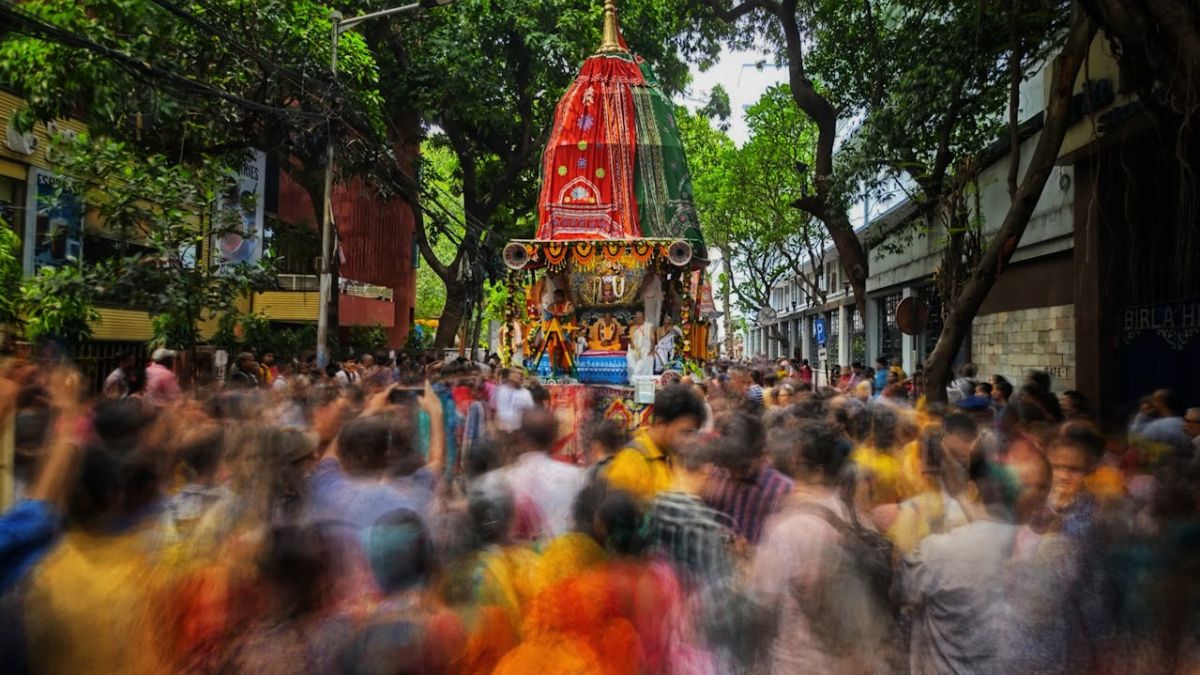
328, 291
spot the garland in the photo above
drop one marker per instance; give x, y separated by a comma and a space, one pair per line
558, 255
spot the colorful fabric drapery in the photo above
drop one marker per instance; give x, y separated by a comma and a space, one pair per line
587, 169
614, 167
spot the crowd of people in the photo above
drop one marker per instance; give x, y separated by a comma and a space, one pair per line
420, 516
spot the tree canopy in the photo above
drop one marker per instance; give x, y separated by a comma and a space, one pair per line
744, 196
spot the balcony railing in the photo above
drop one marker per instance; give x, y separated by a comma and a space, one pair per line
311, 283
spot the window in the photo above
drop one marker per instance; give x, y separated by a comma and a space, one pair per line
933, 328
858, 336
890, 339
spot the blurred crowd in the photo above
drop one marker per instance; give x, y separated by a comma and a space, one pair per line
425, 516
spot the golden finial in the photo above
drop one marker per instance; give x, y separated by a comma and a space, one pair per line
610, 40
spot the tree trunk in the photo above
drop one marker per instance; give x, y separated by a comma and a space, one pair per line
1000, 250
852, 255
474, 344
452, 315
727, 300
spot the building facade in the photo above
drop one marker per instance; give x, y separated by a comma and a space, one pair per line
1102, 292
377, 246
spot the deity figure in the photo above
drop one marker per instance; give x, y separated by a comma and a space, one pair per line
611, 284
606, 335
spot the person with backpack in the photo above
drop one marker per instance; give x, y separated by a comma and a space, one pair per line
821, 576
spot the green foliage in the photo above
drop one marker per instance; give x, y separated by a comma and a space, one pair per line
59, 303
10, 274
419, 340
744, 195
927, 75
173, 92
367, 339
496, 300
237, 332
718, 108
167, 217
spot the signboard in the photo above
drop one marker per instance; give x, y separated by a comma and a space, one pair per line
55, 225
819, 330
911, 316
767, 315
643, 389
246, 201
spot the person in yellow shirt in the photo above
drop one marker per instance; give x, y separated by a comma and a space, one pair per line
643, 468
943, 456
92, 604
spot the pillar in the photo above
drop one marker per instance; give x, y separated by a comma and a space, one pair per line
909, 343
871, 330
805, 342
844, 337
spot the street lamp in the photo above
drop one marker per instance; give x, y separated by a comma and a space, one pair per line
340, 26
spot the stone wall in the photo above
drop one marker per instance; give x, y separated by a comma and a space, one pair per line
1013, 343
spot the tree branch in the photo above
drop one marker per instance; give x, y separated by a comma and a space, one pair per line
732, 14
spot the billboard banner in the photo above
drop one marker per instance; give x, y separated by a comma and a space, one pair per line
55, 223
245, 201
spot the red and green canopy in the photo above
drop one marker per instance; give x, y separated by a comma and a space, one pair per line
614, 167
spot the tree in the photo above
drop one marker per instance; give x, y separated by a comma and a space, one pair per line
1004, 243
58, 303
168, 218
10, 274
487, 76
780, 22
926, 85
192, 78
744, 196
770, 177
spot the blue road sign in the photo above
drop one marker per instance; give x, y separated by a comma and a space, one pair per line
819, 331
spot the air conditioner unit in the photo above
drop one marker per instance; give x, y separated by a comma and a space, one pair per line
22, 143
60, 134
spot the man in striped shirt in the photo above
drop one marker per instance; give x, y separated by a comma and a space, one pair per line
681, 529
745, 486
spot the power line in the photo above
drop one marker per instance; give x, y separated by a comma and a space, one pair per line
30, 25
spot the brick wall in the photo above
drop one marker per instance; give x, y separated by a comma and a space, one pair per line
1013, 343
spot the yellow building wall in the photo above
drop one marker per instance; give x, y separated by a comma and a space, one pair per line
287, 305
9, 105
125, 325
129, 325
132, 325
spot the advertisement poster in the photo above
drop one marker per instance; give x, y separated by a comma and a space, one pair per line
245, 201
57, 223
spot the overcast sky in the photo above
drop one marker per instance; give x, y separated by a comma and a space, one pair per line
737, 71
